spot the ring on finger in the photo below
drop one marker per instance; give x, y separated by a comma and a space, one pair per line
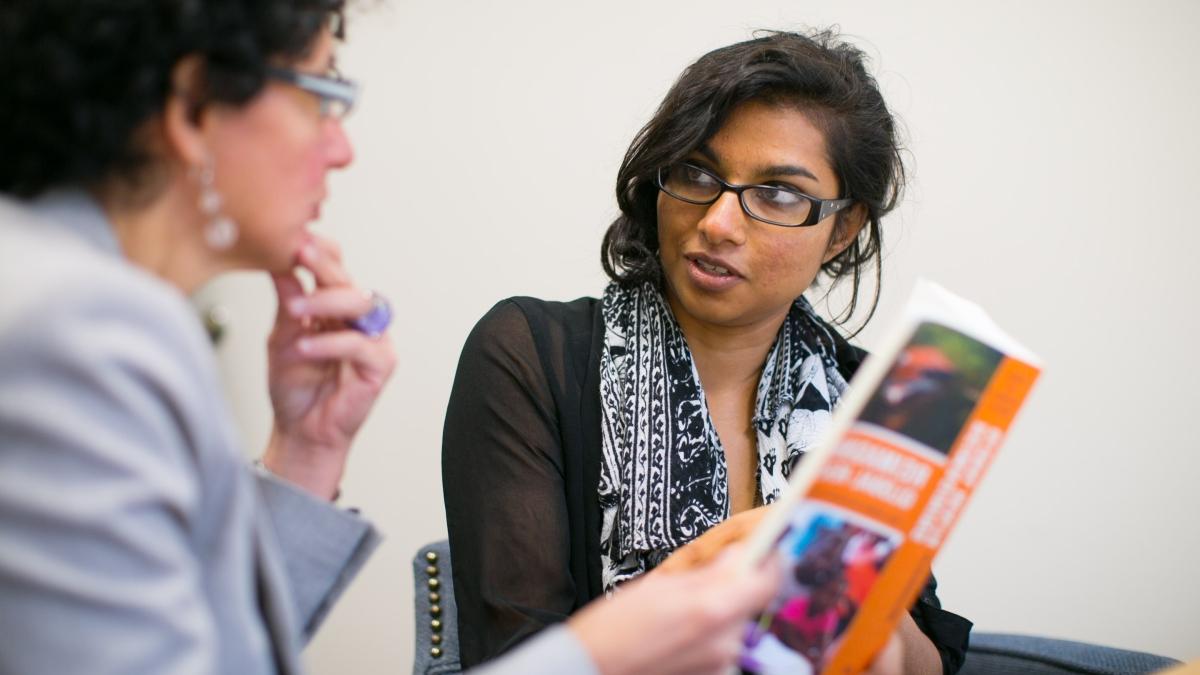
376, 320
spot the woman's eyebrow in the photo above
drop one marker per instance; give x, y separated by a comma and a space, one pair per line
775, 170
790, 170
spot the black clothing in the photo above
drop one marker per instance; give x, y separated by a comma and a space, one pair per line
520, 469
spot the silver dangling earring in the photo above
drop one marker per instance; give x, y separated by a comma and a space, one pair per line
220, 231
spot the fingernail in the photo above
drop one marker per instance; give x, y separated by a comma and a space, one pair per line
297, 306
304, 345
309, 251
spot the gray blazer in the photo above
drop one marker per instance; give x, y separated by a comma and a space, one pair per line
134, 538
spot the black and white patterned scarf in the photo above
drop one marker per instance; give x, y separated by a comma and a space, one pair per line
663, 478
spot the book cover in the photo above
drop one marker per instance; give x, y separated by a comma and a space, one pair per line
868, 508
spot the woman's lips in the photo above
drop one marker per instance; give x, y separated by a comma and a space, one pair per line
710, 274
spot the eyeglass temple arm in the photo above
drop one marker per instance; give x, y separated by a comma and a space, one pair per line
832, 206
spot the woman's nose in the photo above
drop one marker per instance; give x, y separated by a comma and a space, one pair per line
340, 153
724, 221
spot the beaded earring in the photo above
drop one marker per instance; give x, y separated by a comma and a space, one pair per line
220, 232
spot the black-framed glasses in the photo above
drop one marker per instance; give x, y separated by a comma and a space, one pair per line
772, 204
336, 94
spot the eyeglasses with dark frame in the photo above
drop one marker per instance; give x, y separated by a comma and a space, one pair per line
771, 204
336, 94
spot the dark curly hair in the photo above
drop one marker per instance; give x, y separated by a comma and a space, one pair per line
817, 73
79, 78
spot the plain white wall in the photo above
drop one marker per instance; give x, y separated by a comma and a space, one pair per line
1053, 148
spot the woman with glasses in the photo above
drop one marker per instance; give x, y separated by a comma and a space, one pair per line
586, 441
147, 147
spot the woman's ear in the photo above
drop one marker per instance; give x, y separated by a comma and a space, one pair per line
845, 230
182, 113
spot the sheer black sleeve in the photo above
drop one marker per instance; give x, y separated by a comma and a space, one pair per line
947, 631
502, 477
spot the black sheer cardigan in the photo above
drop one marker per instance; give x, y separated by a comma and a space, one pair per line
520, 467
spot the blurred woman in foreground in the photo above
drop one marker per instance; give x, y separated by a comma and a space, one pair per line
147, 147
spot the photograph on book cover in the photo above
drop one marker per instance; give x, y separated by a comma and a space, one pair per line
933, 387
836, 556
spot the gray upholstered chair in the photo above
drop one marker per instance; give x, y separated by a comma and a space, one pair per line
990, 653
1003, 654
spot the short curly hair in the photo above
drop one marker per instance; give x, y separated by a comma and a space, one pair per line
79, 78
818, 73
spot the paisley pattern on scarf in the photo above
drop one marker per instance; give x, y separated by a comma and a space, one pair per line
663, 478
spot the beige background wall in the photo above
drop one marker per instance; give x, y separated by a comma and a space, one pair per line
1054, 156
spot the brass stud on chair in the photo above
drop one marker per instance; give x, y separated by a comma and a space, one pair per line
435, 608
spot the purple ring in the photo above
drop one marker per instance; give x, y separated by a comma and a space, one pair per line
376, 320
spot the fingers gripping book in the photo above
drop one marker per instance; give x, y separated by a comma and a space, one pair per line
869, 506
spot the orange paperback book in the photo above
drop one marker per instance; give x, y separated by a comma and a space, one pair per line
869, 507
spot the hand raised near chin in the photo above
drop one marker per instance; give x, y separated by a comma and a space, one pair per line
324, 377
